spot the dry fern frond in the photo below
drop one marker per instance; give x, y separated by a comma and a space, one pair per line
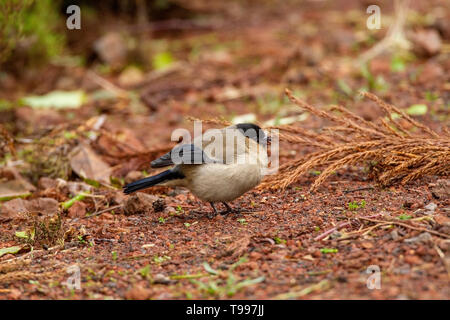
220, 121
393, 151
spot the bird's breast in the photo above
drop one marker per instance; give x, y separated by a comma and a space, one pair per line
222, 182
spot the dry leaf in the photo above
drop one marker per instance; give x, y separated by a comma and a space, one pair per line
87, 164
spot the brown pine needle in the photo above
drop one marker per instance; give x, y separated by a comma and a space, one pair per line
393, 151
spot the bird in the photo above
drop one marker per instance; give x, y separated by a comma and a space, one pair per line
219, 166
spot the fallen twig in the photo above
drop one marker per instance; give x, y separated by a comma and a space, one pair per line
381, 223
358, 189
342, 225
104, 210
322, 285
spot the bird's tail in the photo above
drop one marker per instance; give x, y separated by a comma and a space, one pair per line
151, 181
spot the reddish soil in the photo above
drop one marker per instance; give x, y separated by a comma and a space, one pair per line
158, 250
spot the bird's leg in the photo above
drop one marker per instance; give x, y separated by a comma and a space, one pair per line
229, 209
214, 208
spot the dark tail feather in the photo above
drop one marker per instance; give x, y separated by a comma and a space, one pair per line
151, 181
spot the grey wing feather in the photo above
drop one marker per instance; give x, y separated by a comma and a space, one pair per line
184, 154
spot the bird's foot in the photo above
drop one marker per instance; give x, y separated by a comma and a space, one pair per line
212, 215
193, 214
229, 210
215, 212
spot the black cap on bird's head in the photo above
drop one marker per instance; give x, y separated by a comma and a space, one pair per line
254, 132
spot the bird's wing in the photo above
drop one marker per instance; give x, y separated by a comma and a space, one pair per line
223, 145
183, 154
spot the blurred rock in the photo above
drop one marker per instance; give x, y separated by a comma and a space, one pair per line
15, 188
139, 203
13, 209
427, 42
421, 238
78, 210
159, 278
170, 210
18, 208
45, 206
112, 49
430, 208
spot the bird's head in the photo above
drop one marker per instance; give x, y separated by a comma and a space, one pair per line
254, 132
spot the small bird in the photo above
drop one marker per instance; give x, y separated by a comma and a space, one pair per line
219, 166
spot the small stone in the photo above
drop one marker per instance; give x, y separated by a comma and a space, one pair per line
421, 238
430, 208
16, 208
77, 210
139, 203
427, 42
159, 278
13, 209
45, 206
170, 210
